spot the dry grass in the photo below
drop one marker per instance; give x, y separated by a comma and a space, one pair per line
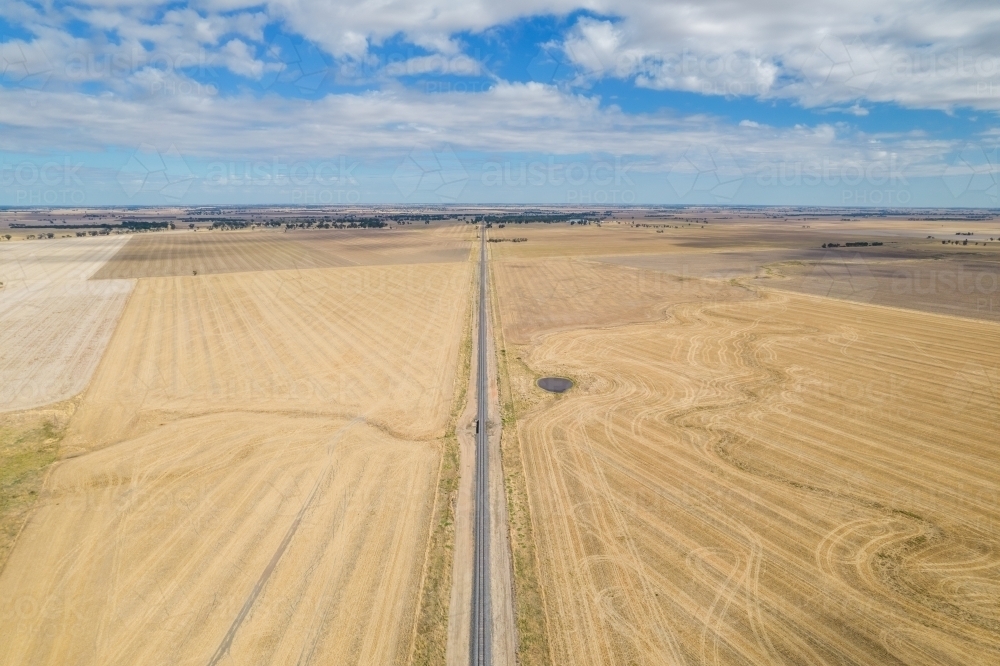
431, 629
29, 443
294, 418
780, 478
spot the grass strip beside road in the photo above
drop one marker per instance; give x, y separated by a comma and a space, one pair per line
29, 444
430, 639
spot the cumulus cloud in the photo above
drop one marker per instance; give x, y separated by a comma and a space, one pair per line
931, 54
600, 48
239, 59
150, 60
928, 54
507, 118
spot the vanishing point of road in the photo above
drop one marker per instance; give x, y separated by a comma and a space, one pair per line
481, 638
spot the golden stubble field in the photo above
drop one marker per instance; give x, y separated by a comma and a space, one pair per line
746, 475
251, 474
263, 467
211, 252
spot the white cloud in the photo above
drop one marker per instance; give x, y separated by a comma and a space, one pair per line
831, 55
926, 54
529, 118
238, 58
855, 110
931, 55
346, 28
600, 48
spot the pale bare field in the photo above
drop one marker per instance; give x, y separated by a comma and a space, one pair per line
211, 252
54, 322
745, 475
250, 476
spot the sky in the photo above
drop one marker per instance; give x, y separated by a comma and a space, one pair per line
851, 103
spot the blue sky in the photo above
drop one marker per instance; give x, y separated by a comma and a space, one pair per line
317, 101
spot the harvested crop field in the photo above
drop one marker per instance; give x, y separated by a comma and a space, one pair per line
212, 252
768, 451
250, 476
963, 286
720, 265
54, 322
379, 341
745, 475
149, 551
563, 293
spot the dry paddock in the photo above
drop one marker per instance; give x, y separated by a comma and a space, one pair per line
251, 473
212, 252
771, 454
745, 475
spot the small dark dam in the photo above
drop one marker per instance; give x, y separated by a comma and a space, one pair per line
554, 384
